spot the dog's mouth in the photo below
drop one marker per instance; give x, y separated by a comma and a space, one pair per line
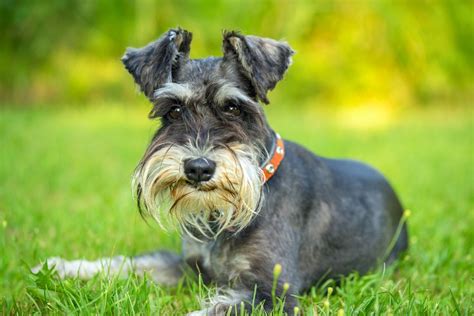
201, 186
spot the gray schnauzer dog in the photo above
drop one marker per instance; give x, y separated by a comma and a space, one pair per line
244, 199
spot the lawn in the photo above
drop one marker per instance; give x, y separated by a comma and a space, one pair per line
64, 191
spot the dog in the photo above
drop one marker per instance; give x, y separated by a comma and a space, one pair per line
248, 204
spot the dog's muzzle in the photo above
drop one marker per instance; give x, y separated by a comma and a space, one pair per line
207, 191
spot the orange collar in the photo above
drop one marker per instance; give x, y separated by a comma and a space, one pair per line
278, 153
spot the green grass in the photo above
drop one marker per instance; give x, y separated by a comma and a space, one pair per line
64, 191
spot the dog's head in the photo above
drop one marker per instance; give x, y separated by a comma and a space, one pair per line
203, 164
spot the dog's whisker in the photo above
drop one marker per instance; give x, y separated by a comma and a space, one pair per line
234, 190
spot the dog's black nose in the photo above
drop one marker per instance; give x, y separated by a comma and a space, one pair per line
199, 170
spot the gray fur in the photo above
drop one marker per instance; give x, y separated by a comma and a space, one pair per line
263, 61
152, 65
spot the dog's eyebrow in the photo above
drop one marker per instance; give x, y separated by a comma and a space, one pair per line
227, 90
173, 90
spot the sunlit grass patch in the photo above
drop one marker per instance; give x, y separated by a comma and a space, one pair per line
65, 191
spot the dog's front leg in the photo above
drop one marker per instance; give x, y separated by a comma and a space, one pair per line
162, 266
251, 289
226, 302
233, 301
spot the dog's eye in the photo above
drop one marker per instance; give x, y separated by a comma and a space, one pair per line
232, 108
175, 112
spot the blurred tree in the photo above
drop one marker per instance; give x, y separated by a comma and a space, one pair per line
348, 52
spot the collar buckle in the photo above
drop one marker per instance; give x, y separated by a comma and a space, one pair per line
278, 153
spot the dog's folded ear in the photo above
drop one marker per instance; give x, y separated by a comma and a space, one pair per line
155, 64
262, 60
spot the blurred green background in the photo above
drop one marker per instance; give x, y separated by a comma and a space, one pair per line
376, 54
386, 82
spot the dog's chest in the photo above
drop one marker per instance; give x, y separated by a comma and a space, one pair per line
217, 258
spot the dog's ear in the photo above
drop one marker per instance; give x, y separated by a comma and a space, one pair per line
262, 60
155, 64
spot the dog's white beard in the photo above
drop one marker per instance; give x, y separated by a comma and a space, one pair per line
228, 201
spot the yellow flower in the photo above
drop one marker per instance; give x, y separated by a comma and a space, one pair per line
286, 286
326, 303
407, 213
330, 290
296, 310
340, 312
277, 270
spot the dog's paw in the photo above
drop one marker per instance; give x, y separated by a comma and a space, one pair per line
216, 310
68, 269
203, 312
84, 269
55, 264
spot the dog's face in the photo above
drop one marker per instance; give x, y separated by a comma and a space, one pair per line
203, 164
